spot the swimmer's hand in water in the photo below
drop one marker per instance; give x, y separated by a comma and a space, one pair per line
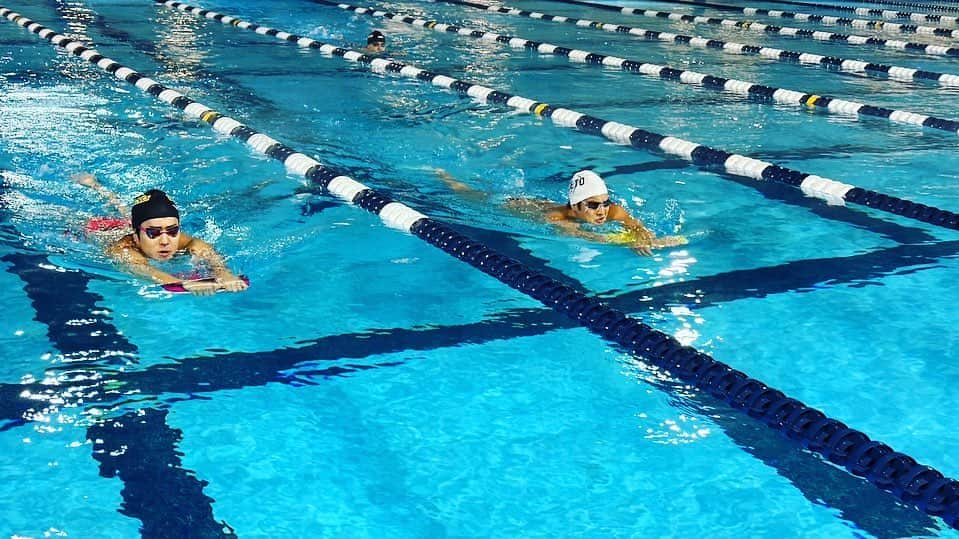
201, 288
643, 242
229, 282
209, 286
639, 239
87, 179
232, 284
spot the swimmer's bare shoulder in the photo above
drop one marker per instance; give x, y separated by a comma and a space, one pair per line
124, 249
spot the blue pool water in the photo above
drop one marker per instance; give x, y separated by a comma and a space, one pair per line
368, 385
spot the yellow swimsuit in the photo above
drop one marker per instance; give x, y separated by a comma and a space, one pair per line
630, 236
625, 236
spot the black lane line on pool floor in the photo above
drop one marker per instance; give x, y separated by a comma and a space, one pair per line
947, 33
831, 63
93, 350
768, 95
709, 159
919, 485
827, 37
140, 448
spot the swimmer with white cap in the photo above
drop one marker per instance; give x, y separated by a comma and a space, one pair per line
589, 198
589, 203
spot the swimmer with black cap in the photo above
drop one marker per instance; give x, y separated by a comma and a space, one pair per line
156, 235
588, 203
375, 43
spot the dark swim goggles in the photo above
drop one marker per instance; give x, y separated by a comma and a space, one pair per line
595, 205
154, 232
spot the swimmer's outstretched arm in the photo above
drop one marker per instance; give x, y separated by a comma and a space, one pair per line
90, 181
643, 244
460, 187
669, 241
646, 240
225, 278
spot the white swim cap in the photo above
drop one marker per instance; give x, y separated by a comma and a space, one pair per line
585, 184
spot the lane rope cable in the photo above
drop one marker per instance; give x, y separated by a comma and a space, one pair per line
826, 19
830, 37
877, 12
762, 93
779, 55
917, 484
910, 5
704, 157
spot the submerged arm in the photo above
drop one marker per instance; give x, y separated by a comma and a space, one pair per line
205, 252
461, 188
88, 180
643, 243
644, 240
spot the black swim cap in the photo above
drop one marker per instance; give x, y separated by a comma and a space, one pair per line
150, 205
375, 37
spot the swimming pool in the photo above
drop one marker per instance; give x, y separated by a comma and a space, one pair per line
368, 385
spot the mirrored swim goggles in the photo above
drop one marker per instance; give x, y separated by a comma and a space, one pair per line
154, 232
595, 205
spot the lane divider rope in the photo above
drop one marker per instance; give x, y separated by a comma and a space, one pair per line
910, 5
704, 157
831, 37
765, 94
826, 19
917, 484
878, 12
779, 55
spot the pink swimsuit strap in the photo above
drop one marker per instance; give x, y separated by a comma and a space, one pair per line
106, 223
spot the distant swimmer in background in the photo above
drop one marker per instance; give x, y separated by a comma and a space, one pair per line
375, 43
588, 204
153, 234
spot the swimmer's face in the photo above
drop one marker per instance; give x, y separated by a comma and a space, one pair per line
376, 46
158, 238
594, 210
